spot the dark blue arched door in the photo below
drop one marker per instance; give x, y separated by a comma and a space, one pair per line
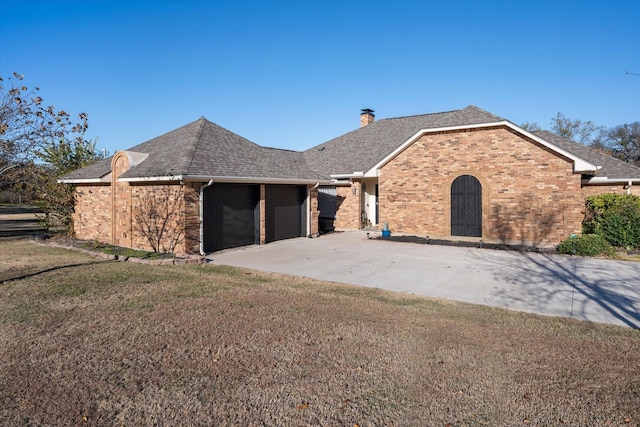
466, 207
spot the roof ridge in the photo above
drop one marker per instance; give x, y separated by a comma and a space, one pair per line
415, 115
448, 115
197, 142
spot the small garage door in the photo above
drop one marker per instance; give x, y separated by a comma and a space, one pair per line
231, 216
285, 212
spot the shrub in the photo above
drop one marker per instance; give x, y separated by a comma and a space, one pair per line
586, 245
614, 217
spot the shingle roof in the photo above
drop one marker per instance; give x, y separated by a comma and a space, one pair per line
93, 172
204, 149
363, 148
611, 167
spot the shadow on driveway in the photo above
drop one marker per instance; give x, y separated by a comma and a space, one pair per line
598, 290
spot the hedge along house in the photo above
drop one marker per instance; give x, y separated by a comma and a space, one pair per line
465, 173
459, 174
197, 189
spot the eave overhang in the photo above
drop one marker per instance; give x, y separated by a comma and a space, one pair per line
226, 179
105, 179
605, 180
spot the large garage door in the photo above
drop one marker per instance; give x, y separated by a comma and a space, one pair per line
285, 212
231, 216
466, 207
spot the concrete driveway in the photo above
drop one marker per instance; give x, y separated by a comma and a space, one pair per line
598, 290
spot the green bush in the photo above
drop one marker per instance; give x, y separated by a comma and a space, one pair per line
586, 245
614, 217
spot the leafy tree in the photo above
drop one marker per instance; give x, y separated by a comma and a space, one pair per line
26, 124
56, 199
624, 141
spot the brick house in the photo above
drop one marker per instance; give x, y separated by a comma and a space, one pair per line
460, 174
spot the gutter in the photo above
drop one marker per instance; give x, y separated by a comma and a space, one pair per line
605, 180
226, 179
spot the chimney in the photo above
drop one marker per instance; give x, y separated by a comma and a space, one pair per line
366, 117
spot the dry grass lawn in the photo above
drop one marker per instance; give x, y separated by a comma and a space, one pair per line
85, 341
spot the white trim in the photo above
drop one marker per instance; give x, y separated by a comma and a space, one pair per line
84, 181
348, 175
579, 165
226, 179
605, 180
152, 178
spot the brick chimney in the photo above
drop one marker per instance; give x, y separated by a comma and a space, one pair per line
366, 117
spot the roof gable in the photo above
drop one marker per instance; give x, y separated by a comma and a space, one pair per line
360, 150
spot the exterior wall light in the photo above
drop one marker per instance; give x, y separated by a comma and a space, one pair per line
354, 190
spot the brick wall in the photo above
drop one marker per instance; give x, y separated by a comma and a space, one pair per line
592, 190
158, 215
92, 214
349, 207
529, 194
313, 208
192, 217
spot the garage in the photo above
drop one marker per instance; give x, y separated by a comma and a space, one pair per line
285, 212
231, 216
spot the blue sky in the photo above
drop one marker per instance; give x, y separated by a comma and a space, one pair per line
292, 74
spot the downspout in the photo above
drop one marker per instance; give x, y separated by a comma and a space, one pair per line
209, 184
309, 208
629, 186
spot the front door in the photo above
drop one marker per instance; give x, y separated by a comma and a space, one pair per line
466, 207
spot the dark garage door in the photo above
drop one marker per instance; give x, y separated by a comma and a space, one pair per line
231, 216
466, 207
285, 212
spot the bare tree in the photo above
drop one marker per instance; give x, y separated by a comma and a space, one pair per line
531, 126
625, 142
159, 217
26, 124
587, 133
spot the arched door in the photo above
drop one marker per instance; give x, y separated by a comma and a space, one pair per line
466, 207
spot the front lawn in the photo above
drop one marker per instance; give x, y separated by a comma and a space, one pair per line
87, 341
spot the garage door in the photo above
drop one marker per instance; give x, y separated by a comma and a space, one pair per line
231, 216
285, 212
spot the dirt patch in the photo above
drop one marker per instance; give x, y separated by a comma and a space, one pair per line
94, 342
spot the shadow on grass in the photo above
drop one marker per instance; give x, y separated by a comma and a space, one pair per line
48, 270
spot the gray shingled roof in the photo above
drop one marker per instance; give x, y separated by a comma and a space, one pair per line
363, 148
611, 167
93, 172
204, 149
